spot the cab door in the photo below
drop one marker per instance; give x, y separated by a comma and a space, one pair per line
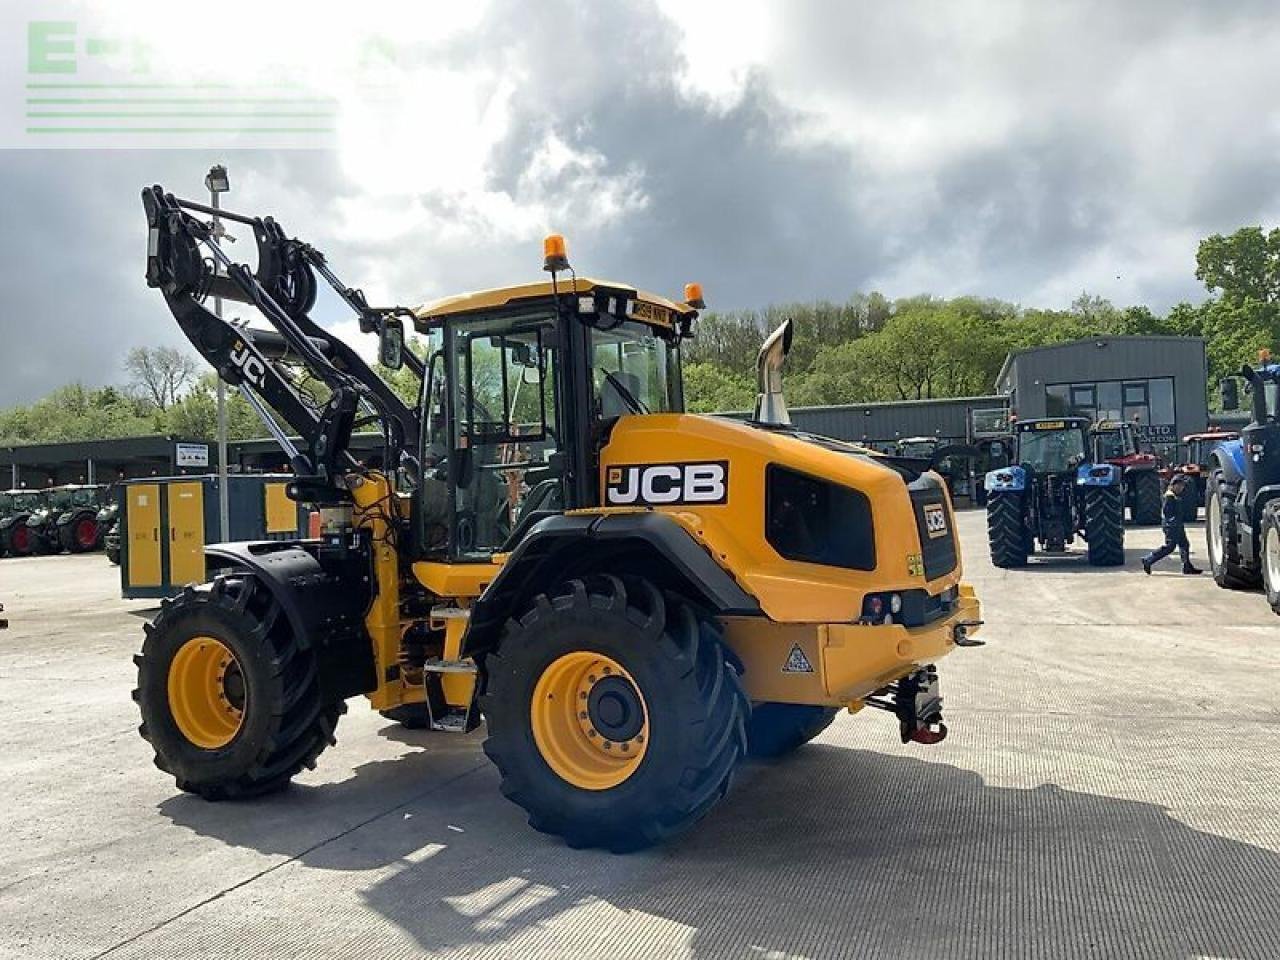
142, 519
186, 533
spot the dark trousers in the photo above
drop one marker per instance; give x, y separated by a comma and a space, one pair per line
1175, 538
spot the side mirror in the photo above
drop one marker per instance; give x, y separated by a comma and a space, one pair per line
1230, 393
391, 344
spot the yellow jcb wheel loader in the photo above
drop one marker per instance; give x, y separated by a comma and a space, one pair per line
632, 599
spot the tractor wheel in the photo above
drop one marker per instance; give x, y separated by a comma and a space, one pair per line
230, 700
776, 729
1006, 531
1220, 537
21, 542
79, 534
411, 716
1104, 525
1271, 555
1145, 510
616, 718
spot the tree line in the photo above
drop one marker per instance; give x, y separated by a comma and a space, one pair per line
866, 348
870, 348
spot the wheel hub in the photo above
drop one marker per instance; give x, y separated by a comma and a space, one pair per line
207, 692
614, 709
86, 532
589, 720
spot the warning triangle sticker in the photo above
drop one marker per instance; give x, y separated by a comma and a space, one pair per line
797, 662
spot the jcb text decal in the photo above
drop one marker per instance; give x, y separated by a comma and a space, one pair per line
249, 365
663, 484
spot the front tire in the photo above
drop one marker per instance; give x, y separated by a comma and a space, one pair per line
1219, 532
1104, 525
79, 534
1271, 555
1146, 498
230, 700
776, 729
1006, 530
615, 716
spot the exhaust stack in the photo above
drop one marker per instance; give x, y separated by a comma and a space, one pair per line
771, 407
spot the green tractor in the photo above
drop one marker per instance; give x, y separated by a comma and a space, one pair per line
69, 520
16, 509
109, 529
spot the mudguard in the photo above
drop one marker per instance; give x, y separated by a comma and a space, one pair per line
324, 599
1229, 456
1006, 480
568, 545
1098, 475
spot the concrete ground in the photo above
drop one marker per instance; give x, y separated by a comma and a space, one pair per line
1110, 788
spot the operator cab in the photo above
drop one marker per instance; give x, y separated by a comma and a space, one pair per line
1051, 446
523, 385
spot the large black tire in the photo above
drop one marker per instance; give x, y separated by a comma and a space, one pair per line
411, 716
776, 729
1220, 537
693, 701
285, 723
80, 533
113, 555
1145, 504
20, 541
1006, 530
1104, 525
1270, 554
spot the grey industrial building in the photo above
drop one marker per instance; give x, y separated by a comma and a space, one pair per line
1157, 383
953, 420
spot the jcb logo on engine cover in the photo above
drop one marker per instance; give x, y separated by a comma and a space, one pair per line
250, 366
664, 484
935, 520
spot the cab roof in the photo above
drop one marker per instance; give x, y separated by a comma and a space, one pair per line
650, 307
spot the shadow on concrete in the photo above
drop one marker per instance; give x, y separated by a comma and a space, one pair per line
833, 852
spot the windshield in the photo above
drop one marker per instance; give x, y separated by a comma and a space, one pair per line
1051, 451
635, 371
1110, 445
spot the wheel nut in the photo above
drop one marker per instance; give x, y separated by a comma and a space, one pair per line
608, 745
582, 714
592, 733
591, 678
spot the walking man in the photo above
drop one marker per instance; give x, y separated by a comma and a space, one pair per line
1175, 532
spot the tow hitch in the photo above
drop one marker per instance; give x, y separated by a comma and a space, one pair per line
960, 634
916, 702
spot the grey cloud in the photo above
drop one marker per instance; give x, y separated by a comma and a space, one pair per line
1118, 138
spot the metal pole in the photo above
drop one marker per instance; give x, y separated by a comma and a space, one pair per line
224, 513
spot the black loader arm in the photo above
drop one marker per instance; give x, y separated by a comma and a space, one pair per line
283, 290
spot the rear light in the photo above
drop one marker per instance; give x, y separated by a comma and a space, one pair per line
880, 607
1100, 472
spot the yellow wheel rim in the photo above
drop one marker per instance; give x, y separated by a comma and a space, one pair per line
206, 692
589, 719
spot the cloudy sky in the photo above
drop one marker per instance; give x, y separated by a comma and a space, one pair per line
771, 150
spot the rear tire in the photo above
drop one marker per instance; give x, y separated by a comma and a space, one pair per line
1219, 532
1006, 530
20, 541
79, 534
1146, 498
776, 729
1104, 525
674, 702
1271, 555
189, 715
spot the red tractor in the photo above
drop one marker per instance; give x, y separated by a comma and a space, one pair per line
1196, 463
1116, 442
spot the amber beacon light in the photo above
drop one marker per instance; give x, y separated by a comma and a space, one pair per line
693, 296
555, 253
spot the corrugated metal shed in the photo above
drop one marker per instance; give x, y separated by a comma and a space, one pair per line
884, 422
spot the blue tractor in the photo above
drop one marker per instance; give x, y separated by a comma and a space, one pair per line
1242, 490
1051, 492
